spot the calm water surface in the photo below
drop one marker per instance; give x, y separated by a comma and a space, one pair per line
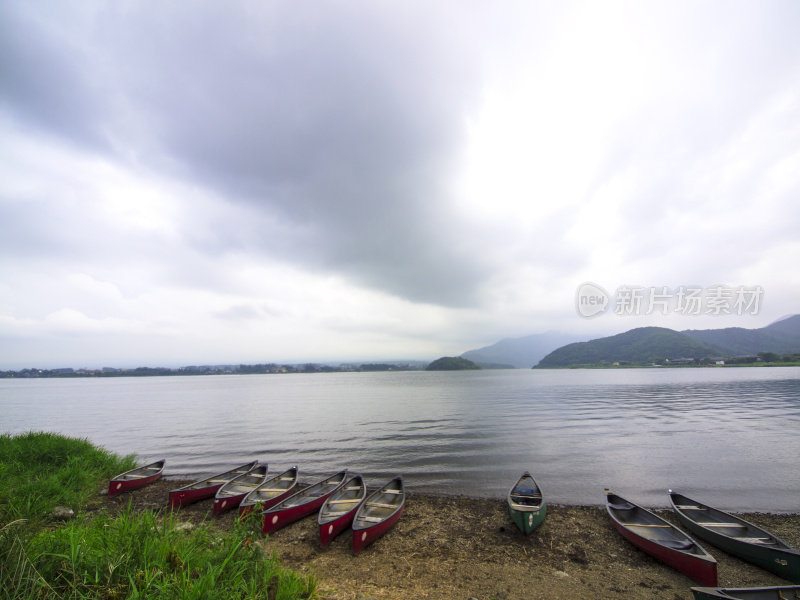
729, 436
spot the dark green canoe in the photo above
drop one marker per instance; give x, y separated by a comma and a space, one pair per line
526, 504
788, 592
738, 537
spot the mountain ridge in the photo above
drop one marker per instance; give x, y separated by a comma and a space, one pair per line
659, 344
521, 352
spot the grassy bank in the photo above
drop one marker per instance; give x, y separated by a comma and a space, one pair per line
135, 554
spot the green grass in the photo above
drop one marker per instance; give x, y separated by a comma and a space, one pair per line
40, 471
130, 555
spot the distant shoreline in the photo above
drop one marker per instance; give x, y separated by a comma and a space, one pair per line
676, 366
205, 370
67, 373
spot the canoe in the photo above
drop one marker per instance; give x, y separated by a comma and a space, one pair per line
661, 539
340, 508
205, 488
301, 504
787, 592
526, 504
378, 514
232, 493
270, 492
135, 478
738, 537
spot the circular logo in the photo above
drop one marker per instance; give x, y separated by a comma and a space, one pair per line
530, 519
591, 300
274, 519
119, 485
224, 502
363, 536
330, 529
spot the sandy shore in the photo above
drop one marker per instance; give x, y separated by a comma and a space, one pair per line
460, 548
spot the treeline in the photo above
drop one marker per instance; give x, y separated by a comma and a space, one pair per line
258, 369
763, 357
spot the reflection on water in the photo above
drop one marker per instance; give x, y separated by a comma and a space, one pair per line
728, 436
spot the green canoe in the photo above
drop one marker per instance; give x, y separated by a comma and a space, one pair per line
526, 504
789, 592
738, 537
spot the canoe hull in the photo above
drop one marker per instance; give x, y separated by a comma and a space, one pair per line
246, 510
222, 505
328, 531
340, 509
528, 520
206, 488
378, 513
117, 487
178, 498
262, 500
701, 571
273, 521
301, 504
760, 593
526, 504
231, 494
364, 537
125, 483
783, 561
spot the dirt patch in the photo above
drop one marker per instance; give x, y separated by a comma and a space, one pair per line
453, 548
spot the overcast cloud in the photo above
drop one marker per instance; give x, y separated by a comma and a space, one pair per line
204, 182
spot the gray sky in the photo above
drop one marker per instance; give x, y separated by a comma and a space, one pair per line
217, 182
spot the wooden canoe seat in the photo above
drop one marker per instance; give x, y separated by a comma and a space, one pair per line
688, 507
272, 489
352, 488
722, 525
371, 519
391, 492
213, 481
135, 476
756, 540
337, 513
345, 501
381, 505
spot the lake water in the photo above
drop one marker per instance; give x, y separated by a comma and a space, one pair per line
727, 436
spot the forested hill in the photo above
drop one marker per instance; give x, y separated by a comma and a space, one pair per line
642, 345
660, 345
780, 337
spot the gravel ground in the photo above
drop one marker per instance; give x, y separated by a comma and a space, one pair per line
454, 548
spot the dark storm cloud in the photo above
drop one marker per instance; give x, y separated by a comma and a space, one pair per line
344, 120
47, 77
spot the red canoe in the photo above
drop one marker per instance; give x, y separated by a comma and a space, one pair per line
205, 488
232, 493
337, 513
378, 514
661, 540
270, 492
135, 478
301, 504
